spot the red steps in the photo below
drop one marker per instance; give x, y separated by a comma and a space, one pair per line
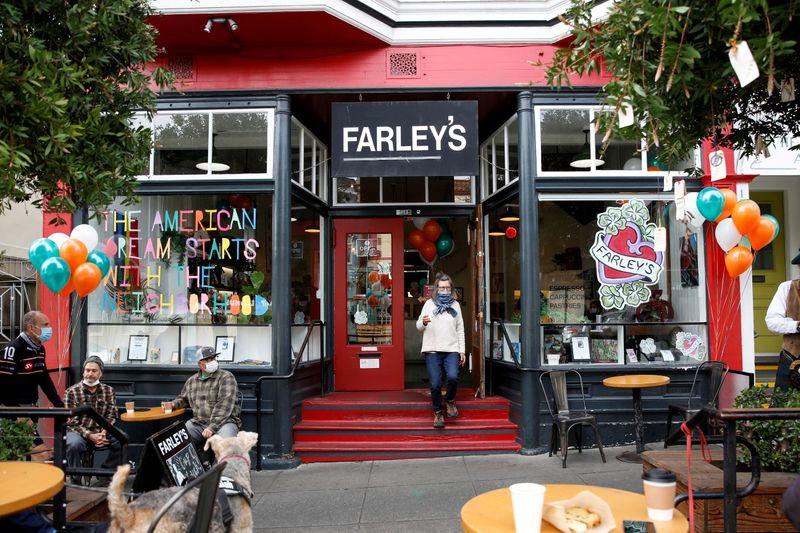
347, 426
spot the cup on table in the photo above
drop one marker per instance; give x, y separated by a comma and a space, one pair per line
167, 407
659, 494
129, 407
527, 500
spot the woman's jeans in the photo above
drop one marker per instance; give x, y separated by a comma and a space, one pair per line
436, 361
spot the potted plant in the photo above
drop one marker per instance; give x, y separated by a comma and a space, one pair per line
777, 441
16, 438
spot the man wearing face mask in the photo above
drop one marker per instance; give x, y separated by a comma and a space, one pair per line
211, 393
83, 433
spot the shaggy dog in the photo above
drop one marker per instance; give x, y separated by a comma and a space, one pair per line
136, 516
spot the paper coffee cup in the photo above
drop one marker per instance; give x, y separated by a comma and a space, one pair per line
527, 500
129, 407
659, 494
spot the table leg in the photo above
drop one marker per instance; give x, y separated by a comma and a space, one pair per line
638, 430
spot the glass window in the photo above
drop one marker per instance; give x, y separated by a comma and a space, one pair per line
186, 271
404, 190
503, 269
500, 157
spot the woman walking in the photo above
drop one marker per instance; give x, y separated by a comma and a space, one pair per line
442, 327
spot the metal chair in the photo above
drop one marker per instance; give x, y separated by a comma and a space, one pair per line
564, 419
717, 372
206, 500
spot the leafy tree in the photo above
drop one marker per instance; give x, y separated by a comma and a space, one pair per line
72, 74
670, 61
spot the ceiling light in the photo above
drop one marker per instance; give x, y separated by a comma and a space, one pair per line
220, 20
208, 25
510, 215
496, 231
215, 167
232, 24
313, 228
583, 159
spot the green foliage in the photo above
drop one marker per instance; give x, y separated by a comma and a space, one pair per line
71, 76
16, 439
669, 60
777, 441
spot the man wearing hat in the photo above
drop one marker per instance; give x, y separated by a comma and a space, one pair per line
212, 394
783, 316
83, 433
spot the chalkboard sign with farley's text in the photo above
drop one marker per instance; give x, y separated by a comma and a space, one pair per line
404, 139
171, 451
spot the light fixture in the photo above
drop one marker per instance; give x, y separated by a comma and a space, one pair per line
220, 20
510, 215
215, 167
496, 231
313, 228
583, 159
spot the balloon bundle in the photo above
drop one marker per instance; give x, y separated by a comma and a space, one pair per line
431, 238
379, 294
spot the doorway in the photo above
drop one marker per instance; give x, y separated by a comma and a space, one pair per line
769, 271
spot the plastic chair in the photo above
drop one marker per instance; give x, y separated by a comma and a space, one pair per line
564, 419
717, 372
206, 499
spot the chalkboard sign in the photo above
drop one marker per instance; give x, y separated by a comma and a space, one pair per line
169, 452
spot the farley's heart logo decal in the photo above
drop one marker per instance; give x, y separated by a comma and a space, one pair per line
625, 255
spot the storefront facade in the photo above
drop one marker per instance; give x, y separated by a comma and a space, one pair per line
306, 193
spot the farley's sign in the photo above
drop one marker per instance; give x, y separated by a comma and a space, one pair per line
404, 139
625, 255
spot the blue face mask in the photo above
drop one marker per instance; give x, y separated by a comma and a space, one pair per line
46, 334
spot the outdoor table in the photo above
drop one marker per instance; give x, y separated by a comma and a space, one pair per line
636, 382
492, 511
150, 414
24, 484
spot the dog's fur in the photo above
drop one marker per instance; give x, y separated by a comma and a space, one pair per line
136, 516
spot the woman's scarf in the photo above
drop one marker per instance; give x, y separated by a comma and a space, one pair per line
444, 302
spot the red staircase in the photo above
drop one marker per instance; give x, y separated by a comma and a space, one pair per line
366, 426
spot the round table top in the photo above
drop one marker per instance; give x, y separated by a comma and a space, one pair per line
150, 414
636, 381
491, 512
24, 484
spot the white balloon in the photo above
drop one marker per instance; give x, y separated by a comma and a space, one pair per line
727, 235
86, 234
694, 218
58, 238
419, 222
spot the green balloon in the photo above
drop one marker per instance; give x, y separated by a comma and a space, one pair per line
445, 245
101, 260
41, 250
55, 273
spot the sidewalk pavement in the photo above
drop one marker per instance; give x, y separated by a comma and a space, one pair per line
419, 495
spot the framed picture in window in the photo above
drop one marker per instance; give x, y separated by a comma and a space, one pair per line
224, 346
604, 350
580, 349
137, 347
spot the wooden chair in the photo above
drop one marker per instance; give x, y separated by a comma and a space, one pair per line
717, 370
206, 500
565, 419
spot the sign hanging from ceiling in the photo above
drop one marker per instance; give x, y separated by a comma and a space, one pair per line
404, 139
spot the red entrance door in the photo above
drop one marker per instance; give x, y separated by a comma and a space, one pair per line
369, 352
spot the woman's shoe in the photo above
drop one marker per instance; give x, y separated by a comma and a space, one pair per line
438, 420
452, 410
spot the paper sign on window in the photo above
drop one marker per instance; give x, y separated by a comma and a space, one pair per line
625, 255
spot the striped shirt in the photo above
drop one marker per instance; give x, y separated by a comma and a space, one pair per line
213, 400
102, 400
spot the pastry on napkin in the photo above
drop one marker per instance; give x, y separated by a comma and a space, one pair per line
583, 513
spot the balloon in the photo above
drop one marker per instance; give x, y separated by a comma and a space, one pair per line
373, 277
386, 281
444, 225
777, 225
444, 246
86, 234
86, 278
98, 258
40, 250
745, 215
738, 260
419, 222
511, 232
372, 301
432, 230
111, 247
67, 289
695, 218
428, 252
745, 242
377, 288
762, 233
58, 238
727, 235
55, 273
73, 252
730, 201
414, 285
710, 203
416, 238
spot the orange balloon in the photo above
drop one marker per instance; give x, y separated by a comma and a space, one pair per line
372, 301
432, 230
74, 252
738, 260
373, 277
68, 288
416, 238
86, 278
745, 215
386, 281
730, 201
762, 234
428, 251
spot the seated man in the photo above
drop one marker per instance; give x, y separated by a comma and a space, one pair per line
83, 433
211, 393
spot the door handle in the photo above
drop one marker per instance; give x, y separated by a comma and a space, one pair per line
370, 354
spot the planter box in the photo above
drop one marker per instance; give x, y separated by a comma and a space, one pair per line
759, 512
